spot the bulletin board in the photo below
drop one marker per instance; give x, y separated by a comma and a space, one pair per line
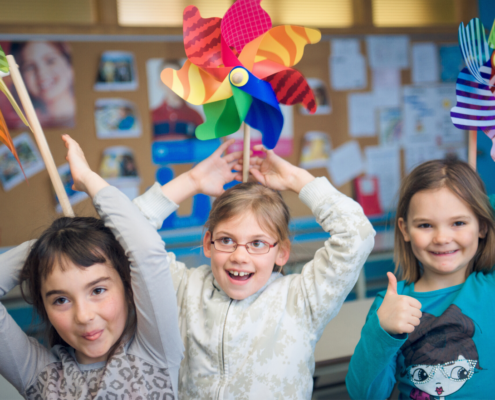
27, 209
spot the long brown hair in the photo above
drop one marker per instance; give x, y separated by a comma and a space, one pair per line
267, 206
465, 183
84, 241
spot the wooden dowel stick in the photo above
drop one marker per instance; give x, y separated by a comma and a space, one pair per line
472, 149
40, 137
247, 153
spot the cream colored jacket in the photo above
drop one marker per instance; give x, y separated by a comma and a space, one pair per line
262, 347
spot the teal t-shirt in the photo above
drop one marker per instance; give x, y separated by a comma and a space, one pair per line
450, 355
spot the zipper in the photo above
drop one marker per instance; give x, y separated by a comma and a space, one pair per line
222, 376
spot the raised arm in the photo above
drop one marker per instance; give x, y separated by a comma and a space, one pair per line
326, 280
157, 334
21, 357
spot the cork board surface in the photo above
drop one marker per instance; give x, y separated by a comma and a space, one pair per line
28, 209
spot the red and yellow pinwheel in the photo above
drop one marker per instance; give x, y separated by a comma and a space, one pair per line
239, 69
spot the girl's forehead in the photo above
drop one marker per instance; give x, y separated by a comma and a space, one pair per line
438, 201
246, 223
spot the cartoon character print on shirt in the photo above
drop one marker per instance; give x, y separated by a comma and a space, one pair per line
440, 355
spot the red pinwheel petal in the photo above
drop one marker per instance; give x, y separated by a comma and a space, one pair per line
243, 22
202, 38
291, 87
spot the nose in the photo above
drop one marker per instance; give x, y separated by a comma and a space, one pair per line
442, 236
240, 254
83, 312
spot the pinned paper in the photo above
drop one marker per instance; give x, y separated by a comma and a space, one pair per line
67, 180
424, 63
11, 173
388, 51
116, 118
386, 87
361, 114
323, 105
240, 72
315, 151
390, 126
118, 168
384, 163
346, 163
117, 71
347, 65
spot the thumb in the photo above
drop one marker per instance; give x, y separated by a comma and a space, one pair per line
392, 283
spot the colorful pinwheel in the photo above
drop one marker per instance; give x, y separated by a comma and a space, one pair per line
475, 87
239, 69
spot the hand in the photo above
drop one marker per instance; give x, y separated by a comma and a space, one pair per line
210, 175
398, 314
492, 150
278, 174
85, 180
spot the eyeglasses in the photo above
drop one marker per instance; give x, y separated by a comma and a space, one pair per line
457, 371
227, 245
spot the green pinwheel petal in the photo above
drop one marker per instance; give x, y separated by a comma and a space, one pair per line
491, 38
4, 66
222, 119
242, 101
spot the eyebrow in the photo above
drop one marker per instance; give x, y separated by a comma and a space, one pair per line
92, 283
457, 217
254, 237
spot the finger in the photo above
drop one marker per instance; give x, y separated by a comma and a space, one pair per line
237, 167
259, 147
416, 313
414, 303
392, 283
224, 146
233, 156
258, 176
414, 321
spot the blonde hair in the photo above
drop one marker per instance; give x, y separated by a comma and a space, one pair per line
267, 206
463, 181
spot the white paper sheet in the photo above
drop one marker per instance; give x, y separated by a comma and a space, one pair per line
390, 126
424, 63
386, 87
345, 163
347, 72
361, 114
420, 115
418, 153
384, 163
342, 47
388, 51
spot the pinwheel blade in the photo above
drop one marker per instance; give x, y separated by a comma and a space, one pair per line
4, 65
222, 119
5, 90
257, 22
474, 47
202, 38
475, 108
6, 139
491, 37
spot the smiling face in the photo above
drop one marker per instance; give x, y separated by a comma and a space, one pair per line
256, 269
47, 73
87, 307
443, 232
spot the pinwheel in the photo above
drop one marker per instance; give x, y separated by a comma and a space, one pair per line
239, 69
475, 87
9, 66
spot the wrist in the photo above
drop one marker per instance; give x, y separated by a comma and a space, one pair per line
299, 179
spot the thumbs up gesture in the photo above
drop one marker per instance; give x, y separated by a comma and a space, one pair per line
398, 314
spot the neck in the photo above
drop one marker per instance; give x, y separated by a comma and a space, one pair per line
430, 281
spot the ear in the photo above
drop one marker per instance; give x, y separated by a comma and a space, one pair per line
283, 253
403, 229
207, 244
483, 231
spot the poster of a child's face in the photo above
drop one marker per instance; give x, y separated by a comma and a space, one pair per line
46, 68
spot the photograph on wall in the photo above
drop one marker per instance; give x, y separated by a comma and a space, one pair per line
46, 68
10, 172
172, 117
118, 168
116, 72
116, 118
315, 152
73, 195
323, 105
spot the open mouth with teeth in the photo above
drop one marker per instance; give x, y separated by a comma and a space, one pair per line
443, 253
239, 275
